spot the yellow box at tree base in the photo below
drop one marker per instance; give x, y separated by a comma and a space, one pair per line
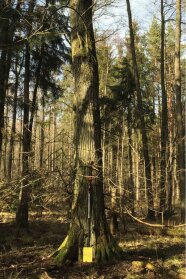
87, 254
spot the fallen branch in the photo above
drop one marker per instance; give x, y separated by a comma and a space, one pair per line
153, 225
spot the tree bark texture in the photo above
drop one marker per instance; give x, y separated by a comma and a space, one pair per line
13, 129
4, 71
164, 118
22, 211
88, 151
179, 114
131, 177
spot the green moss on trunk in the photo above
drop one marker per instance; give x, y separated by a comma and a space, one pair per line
68, 250
107, 250
71, 248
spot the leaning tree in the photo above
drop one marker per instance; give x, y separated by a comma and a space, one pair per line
88, 174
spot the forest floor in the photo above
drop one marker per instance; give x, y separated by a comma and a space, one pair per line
147, 253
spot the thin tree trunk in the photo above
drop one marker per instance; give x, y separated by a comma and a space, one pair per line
2, 95
164, 118
114, 182
137, 159
20, 146
42, 132
3, 68
151, 213
171, 155
5, 63
131, 178
50, 141
22, 211
6, 139
13, 129
122, 162
179, 114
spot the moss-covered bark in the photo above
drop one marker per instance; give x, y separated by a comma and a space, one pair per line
88, 183
107, 251
68, 250
71, 249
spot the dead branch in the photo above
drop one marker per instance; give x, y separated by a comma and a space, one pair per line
153, 225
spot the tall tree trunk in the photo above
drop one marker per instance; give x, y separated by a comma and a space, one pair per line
42, 133
53, 138
6, 77
3, 61
131, 178
121, 162
13, 129
54, 155
136, 168
114, 182
179, 114
20, 148
87, 140
151, 213
50, 141
3, 65
34, 99
164, 118
6, 40
22, 211
171, 151
6, 139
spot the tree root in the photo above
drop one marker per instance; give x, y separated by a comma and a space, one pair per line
72, 247
68, 250
107, 251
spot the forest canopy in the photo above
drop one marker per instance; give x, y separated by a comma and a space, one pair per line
92, 120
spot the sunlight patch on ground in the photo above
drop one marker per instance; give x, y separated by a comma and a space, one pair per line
149, 242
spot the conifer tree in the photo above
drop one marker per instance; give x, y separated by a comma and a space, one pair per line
151, 213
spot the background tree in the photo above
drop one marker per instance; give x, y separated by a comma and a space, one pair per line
164, 122
28, 115
151, 213
51, 114
179, 114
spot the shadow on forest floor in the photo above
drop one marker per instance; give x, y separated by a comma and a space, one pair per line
144, 256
